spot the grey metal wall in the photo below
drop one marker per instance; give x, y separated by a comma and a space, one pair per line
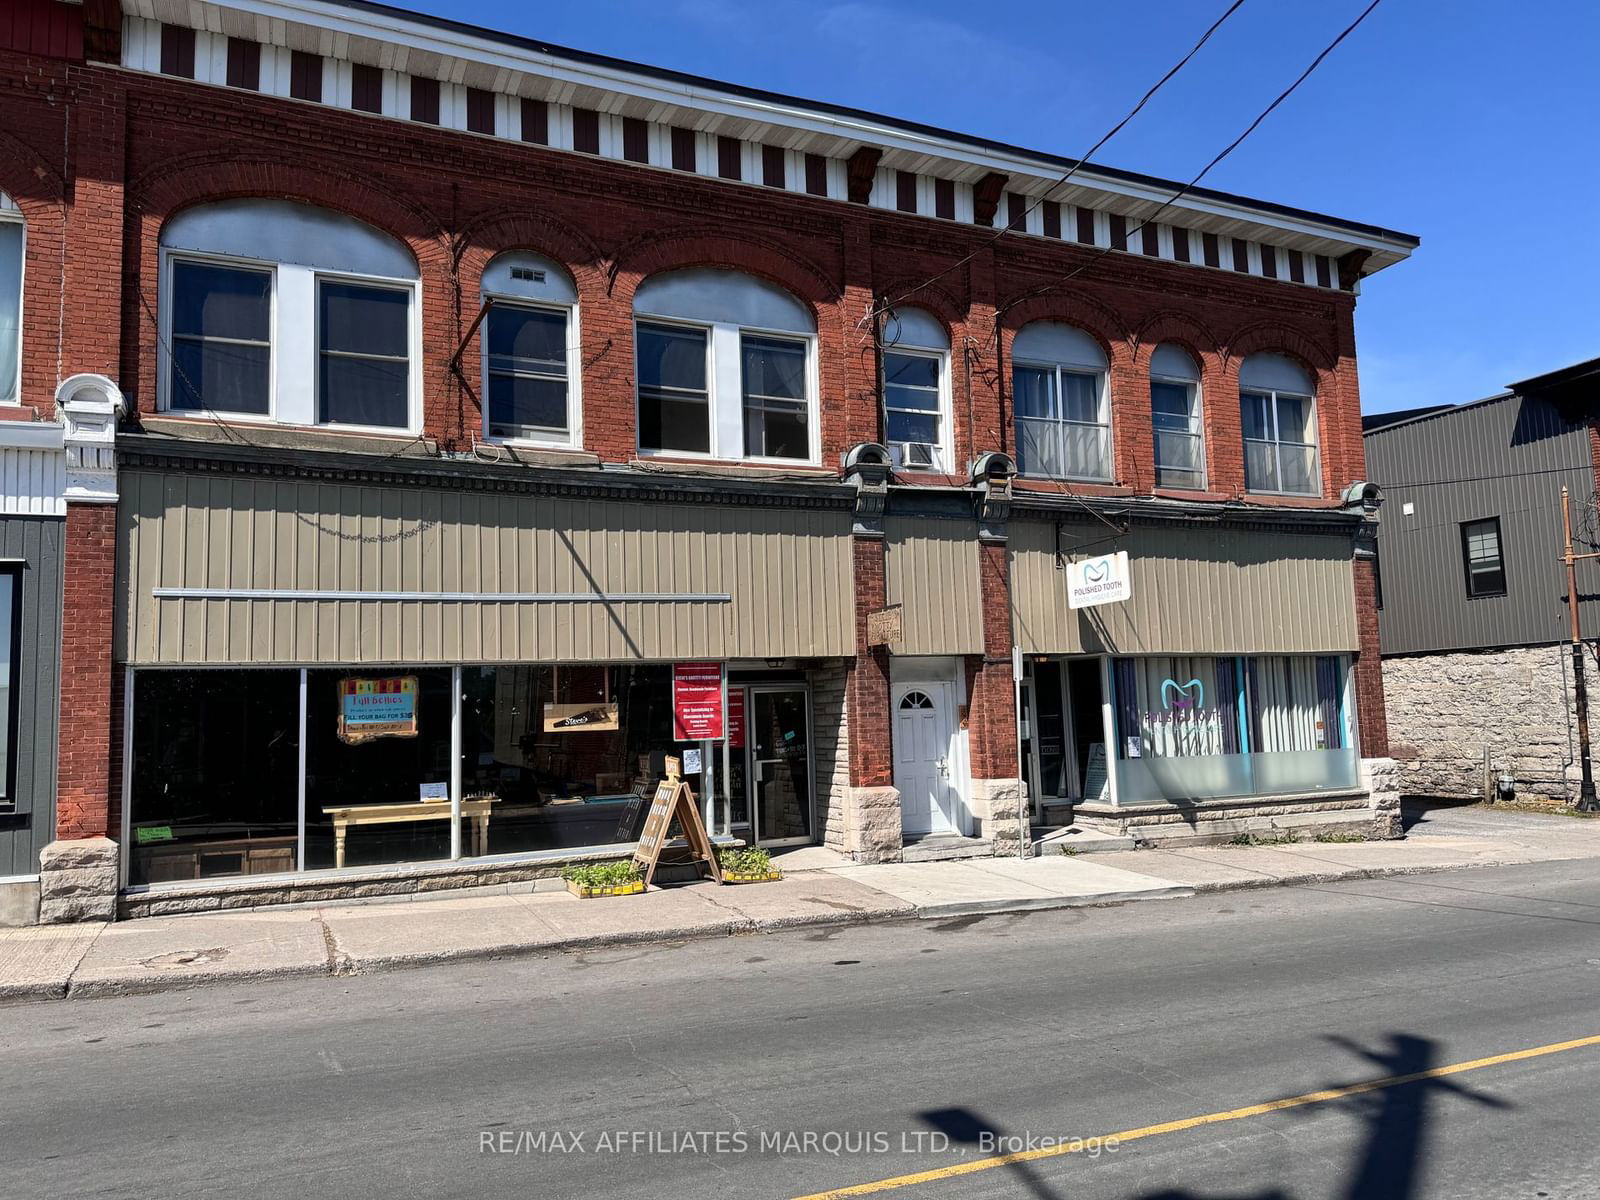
1507, 458
37, 543
788, 571
1196, 590
932, 570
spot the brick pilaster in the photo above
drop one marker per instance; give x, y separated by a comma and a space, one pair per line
867, 685
1370, 710
991, 714
88, 600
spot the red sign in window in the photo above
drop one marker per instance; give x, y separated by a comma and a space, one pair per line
696, 702
736, 718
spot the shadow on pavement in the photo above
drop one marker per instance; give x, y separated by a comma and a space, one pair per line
966, 1128
1397, 1118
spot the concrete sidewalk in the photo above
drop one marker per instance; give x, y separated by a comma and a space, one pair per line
169, 953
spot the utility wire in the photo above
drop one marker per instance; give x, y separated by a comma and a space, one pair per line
1083, 161
1204, 171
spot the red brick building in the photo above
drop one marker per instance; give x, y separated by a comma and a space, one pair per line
471, 392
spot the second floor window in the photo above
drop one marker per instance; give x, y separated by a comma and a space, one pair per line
915, 395
528, 342
1062, 408
1278, 414
725, 368
279, 311
1482, 558
11, 240
1175, 415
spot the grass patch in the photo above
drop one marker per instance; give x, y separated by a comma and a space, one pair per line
752, 860
1286, 837
1339, 837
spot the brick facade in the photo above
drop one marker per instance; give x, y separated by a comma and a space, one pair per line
98, 159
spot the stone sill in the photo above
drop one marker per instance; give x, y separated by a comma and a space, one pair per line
1222, 805
421, 881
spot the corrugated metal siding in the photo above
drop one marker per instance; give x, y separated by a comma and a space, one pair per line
1195, 591
788, 570
932, 570
23, 833
1505, 458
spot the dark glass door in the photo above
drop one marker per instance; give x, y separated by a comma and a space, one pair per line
780, 764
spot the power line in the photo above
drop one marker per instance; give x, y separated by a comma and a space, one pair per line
1204, 171
1083, 161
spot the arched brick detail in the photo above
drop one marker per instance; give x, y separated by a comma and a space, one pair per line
1268, 337
159, 194
1103, 323
950, 312
36, 189
1181, 329
496, 232
651, 255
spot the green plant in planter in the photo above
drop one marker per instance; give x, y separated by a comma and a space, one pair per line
601, 875
751, 861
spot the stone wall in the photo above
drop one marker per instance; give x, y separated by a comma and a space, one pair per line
830, 731
1445, 709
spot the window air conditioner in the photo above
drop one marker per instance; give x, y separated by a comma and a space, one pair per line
918, 455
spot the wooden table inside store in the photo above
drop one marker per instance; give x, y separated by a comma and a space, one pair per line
475, 807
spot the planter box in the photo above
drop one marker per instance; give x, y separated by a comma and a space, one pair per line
769, 877
585, 892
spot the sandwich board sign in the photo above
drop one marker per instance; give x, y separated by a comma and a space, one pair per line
1102, 580
674, 801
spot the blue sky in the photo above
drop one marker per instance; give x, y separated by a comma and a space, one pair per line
1471, 123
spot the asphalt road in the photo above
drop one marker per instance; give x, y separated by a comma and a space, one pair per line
1073, 1023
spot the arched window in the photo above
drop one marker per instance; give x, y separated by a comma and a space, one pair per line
529, 384
916, 390
11, 238
284, 311
1062, 407
726, 368
1278, 411
1175, 414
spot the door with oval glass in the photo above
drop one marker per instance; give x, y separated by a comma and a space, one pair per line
924, 759
779, 740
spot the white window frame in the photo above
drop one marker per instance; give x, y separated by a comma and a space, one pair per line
725, 392
574, 436
12, 215
294, 356
166, 369
1103, 407
944, 455
1196, 415
1270, 395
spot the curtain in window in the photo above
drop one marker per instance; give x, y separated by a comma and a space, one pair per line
1330, 695
10, 307
1179, 706
1287, 708
1125, 683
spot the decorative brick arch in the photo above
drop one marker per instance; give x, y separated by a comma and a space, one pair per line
1098, 320
651, 255
1267, 337
1180, 329
161, 193
497, 232
932, 299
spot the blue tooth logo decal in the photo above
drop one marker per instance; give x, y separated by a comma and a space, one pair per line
1191, 695
1096, 571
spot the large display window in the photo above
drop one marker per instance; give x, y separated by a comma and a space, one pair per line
260, 771
1201, 727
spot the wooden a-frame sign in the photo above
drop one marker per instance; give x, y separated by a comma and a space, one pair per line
674, 800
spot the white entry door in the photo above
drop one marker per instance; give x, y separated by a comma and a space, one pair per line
924, 759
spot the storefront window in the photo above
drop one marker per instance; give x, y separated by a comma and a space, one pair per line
558, 753
1192, 727
214, 788
377, 767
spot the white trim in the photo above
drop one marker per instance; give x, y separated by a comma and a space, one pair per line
574, 346
223, 593
10, 214
945, 462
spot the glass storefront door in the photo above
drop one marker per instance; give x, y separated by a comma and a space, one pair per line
779, 764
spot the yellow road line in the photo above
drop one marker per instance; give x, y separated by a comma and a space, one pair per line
1216, 1118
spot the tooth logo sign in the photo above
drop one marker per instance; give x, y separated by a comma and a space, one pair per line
1096, 571
1102, 580
1177, 695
